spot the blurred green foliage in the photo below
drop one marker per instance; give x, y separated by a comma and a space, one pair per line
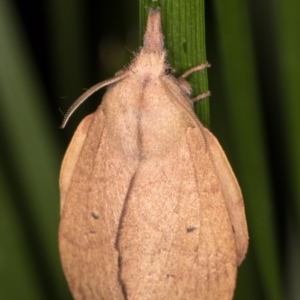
51, 50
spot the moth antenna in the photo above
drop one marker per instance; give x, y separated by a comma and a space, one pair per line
195, 69
87, 94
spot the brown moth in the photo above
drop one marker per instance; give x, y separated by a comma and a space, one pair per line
150, 207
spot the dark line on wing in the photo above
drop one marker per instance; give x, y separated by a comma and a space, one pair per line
131, 183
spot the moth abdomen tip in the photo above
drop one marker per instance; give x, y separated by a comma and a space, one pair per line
153, 37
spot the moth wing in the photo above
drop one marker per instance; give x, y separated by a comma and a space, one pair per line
71, 157
232, 194
230, 187
175, 236
88, 223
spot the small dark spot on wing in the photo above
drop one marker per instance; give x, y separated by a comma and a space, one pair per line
95, 215
190, 229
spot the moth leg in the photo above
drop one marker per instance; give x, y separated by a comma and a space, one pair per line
185, 85
201, 96
195, 69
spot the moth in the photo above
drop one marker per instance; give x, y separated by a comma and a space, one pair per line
150, 207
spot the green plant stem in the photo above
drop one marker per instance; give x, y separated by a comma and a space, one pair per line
184, 31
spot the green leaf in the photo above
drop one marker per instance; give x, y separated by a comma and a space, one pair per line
247, 147
30, 155
14, 253
287, 24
